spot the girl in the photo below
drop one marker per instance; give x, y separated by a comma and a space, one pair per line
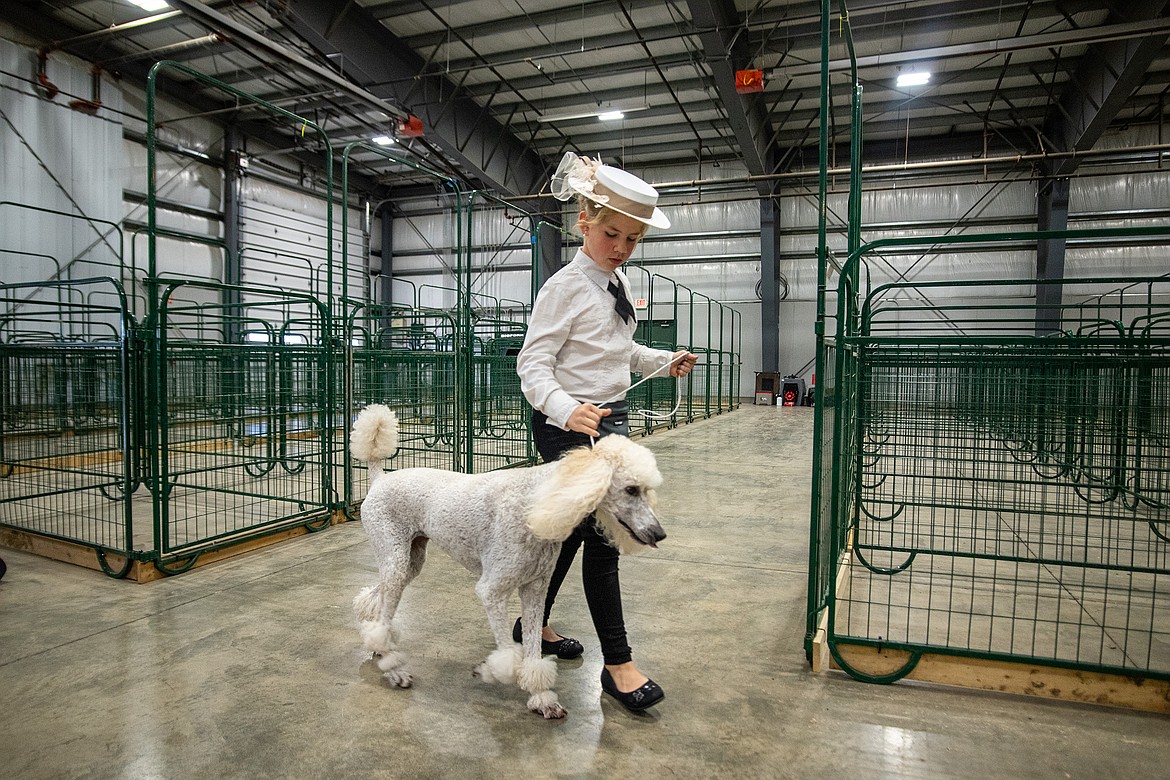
574, 370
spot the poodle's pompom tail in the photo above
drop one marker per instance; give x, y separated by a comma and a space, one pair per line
375, 434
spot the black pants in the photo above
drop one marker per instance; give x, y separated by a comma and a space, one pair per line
599, 563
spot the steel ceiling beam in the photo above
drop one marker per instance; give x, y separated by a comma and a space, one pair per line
60, 36
1087, 35
239, 33
725, 49
371, 56
1104, 79
724, 42
567, 17
1051, 214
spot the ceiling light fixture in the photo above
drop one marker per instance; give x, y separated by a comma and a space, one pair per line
149, 5
601, 112
382, 140
913, 79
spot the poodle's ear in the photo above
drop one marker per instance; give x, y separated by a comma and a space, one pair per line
575, 488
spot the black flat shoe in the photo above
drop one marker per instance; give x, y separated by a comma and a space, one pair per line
564, 648
637, 700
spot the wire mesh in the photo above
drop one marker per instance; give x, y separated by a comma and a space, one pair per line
500, 419
824, 549
241, 416
656, 396
65, 464
1010, 488
674, 317
405, 359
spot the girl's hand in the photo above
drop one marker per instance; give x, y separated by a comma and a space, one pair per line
585, 419
685, 362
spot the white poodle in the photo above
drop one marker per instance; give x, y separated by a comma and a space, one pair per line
505, 526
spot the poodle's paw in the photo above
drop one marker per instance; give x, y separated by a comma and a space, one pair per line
400, 678
500, 666
392, 665
545, 704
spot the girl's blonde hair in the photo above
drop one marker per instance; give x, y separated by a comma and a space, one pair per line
596, 214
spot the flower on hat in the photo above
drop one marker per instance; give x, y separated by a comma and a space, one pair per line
576, 174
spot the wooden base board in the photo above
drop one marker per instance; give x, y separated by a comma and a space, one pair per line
140, 571
821, 658
1047, 682
68, 552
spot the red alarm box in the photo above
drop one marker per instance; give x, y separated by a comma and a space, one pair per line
411, 128
749, 81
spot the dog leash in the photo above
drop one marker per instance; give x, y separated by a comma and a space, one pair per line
650, 414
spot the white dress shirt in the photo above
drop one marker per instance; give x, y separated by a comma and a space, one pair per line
577, 349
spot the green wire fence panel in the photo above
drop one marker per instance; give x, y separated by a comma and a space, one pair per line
824, 548
66, 467
500, 418
1009, 475
406, 359
241, 391
655, 397
672, 317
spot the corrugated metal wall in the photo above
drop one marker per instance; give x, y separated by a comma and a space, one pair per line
55, 158
284, 234
69, 161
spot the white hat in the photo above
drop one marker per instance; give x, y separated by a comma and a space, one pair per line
611, 187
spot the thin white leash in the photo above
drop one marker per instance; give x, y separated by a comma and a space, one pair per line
650, 414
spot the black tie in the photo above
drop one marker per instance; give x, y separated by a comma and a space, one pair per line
621, 302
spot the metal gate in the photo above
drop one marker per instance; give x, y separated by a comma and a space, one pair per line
242, 416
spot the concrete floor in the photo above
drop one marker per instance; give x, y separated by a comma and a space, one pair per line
252, 667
